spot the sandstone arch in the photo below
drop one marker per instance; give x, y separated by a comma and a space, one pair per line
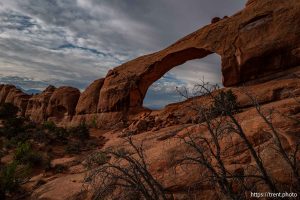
135, 86
250, 44
164, 91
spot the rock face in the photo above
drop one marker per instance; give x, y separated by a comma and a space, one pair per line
63, 102
37, 105
13, 95
258, 44
88, 101
18, 99
4, 90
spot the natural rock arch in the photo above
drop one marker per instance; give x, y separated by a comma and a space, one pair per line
135, 86
250, 44
164, 91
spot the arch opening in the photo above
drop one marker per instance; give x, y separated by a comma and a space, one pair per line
164, 91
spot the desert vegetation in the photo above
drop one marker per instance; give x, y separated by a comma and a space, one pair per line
212, 149
125, 173
30, 147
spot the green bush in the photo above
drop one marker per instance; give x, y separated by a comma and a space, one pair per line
25, 155
14, 141
81, 132
11, 177
8, 179
49, 125
61, 134
73, 148
12, 127
94, 122
8, 110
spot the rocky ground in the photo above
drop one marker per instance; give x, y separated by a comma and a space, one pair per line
161, 133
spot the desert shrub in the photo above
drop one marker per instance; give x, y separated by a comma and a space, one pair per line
96, 159
12, 127
49, 125
8, 179
210, 150
73, 148
94, 122
11, 177
81, 132
225, 101
9, 143
25, 155
60, 168
91, 144
60, 135
40, 135
8, 110
125, 176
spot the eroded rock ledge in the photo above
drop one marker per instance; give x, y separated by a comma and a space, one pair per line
258, 44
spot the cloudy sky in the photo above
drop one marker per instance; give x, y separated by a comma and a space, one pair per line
72, 42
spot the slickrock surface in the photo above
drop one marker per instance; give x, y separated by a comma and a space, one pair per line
258, 44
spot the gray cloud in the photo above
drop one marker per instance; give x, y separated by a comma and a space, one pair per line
76, 41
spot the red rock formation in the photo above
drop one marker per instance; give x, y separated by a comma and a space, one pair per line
258, 44
10, 94
37, 105
4, 90
88, 101
62, 103
260, 40
18, 99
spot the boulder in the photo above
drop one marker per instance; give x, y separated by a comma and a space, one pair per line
88, 101
63, 188
18, 98
63, 102
37, 105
